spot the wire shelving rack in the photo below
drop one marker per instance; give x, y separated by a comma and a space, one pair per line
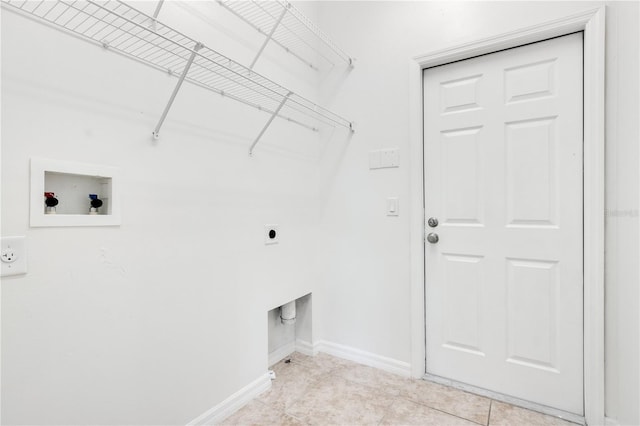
119, 27
281, 23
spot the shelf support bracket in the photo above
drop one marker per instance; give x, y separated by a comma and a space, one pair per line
154, 19
266, 126
157, 11
198, 46
269, 36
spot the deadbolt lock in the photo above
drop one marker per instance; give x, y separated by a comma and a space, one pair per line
432, 222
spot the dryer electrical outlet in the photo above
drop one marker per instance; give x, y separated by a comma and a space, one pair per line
271, 234
13, 256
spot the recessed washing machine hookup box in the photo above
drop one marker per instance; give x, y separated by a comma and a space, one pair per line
65, 193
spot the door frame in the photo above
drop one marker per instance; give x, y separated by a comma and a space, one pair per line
592, 23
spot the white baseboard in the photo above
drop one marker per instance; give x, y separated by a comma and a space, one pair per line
306, 348
363, 357
232, 404
236, 401
281, 353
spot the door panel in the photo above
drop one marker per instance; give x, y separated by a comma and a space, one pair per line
463, 278
503, 175
532, 303
531, 172
461, 176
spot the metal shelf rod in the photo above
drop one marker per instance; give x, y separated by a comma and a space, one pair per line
155, 14
156, 132
266, 40
123, 29
297, 31
266, 126
157, 11
196, 52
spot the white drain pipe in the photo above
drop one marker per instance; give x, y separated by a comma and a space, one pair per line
288, 313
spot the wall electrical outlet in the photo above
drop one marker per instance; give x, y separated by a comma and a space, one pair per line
271, 234
13, 256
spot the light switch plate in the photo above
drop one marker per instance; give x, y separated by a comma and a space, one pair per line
384, 158
390, 157
374, 159
393, 206
13, 256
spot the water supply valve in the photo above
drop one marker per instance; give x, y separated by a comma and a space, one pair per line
51, 202
96, 203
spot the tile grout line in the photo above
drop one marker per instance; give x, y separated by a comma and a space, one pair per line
294, 417
382, 418
325, 371
307, 364
333, 373
442, 411
489, 416
293, 401
399, 395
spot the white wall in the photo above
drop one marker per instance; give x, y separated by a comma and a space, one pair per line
365, 301
165, 316
162, 318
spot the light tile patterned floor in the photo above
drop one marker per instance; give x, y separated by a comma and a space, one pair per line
325, 390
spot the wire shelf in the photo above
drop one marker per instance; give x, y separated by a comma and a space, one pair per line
289, 28
125, 30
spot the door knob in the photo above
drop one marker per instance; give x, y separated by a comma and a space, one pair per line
432, 237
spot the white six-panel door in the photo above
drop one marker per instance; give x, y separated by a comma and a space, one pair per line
503, 177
